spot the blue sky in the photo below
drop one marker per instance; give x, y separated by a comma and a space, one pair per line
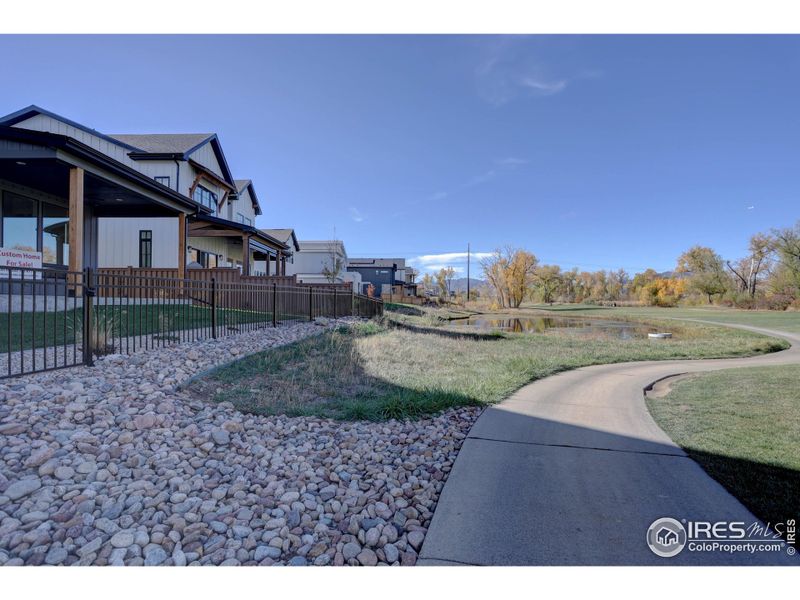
590, 151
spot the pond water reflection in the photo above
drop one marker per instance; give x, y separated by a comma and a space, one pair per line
573, 325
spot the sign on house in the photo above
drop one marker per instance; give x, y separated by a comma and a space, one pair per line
25, 259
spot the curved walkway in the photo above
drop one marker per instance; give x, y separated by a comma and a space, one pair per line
572, 470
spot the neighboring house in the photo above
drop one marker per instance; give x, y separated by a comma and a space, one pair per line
288, 238
140, 200
387, 275
410, 286
315, 257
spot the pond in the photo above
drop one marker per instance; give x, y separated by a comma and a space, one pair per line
584, 327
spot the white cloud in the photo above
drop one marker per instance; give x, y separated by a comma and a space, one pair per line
356, 215
543, 88
431, 263
514, 69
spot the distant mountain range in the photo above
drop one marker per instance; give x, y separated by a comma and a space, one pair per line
460, 284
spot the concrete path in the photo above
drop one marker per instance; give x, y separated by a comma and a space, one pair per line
572, 470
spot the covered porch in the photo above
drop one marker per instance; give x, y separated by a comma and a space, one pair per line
215, 242
53, 190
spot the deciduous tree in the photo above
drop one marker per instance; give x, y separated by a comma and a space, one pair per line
704, 270
749, 271
510, 273
547, 282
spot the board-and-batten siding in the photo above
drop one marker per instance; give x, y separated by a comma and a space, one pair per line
118, 241
243, 205
214, 245
203, 155
50, 125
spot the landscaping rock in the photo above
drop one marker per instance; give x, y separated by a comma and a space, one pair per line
114, 465
122, 539
367, 557
22, 488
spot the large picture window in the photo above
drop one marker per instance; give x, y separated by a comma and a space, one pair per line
145, 248
205, 197
20, 220
36, 226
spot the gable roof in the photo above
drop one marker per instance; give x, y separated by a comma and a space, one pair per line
284, 235
151, 146
98, 158
31, 111
158, 146
164, 143
247, 184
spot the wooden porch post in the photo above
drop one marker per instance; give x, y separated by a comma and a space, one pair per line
75, 219
182, 246
245, 255
278, 262
269, 260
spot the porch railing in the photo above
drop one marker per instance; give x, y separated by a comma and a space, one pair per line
53, 319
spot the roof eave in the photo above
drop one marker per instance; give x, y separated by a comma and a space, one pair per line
33, 110
96, 157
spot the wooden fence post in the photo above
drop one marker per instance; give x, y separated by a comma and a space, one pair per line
310, 303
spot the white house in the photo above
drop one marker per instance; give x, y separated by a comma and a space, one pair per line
204, 217
317, 259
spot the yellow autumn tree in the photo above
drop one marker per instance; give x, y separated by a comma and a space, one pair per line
663, 292
510, 273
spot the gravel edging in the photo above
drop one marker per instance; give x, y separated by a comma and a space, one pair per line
113, 465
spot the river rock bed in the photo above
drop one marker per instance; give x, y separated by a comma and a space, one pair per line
112, 466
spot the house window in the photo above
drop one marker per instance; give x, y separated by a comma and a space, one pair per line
20, 222
207, 260
163, 180
145, 248
205, 197
36, 226
245, 220
55, 234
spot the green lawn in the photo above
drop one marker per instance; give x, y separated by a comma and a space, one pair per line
64, 327
770, 319
743, 427
374, 371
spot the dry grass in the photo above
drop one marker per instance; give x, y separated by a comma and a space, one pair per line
371, 371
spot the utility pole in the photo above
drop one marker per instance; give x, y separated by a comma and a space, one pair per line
467, 271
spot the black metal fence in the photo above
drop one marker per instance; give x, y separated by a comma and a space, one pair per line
52, 319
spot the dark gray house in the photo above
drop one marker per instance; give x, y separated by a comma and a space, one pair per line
384, 274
